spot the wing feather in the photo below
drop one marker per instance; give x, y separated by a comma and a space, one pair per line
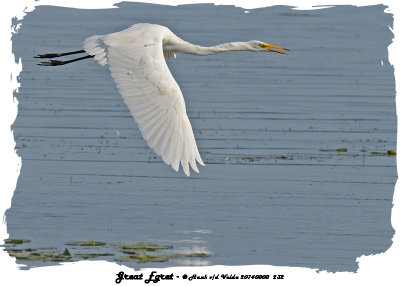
174, 146
176, 154
155, 135
136, 60
165, 139
185, 157
166, 154
151, 127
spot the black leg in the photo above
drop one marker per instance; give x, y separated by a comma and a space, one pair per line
59, 63
49, 56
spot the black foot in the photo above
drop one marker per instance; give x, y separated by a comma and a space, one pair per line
49, 56
59, 63
52, 63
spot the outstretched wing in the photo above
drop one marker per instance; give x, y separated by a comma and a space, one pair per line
148, 88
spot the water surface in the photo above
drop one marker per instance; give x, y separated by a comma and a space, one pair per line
268, 194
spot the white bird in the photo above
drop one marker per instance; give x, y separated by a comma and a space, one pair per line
136, 58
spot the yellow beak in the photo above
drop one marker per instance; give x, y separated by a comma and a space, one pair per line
271, 48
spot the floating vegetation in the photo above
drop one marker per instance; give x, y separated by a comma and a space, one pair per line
378, 153
334, 150
244, 158
283, 157
42, 256
387, 153
197, 255
341, 152
16, 240
137, 252
141, 258
86, 243
131, 248
92, 255
66, 252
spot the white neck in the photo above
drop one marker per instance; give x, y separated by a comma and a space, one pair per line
188, 48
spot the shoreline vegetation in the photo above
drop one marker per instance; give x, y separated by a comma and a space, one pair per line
139, 252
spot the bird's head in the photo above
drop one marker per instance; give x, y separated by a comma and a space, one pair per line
258, 46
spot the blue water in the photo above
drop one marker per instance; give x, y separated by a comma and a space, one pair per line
268, 195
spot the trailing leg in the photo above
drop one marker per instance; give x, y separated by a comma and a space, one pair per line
49, 56
59, 63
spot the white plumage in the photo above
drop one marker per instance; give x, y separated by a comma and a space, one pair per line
136, 58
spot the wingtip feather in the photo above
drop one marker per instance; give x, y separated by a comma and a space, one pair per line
198, 159
192, 163
185, 167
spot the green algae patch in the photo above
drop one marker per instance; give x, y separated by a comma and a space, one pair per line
142, 258
197, 255
66, 252
137, 252
86, 243
378, 153
387, 153
131, 248
41, 256
244, 158
16, 241
25, 256
334, 150
91, 255
51, 255
140, 252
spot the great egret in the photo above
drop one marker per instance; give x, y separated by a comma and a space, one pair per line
136, 60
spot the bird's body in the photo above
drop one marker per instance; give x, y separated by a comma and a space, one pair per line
136, 58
